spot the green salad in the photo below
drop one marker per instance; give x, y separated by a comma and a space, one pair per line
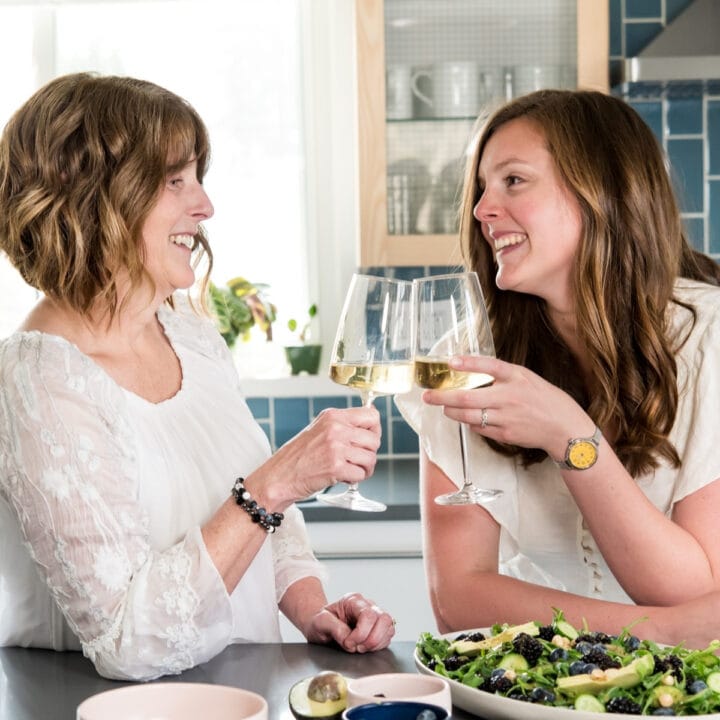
561, 666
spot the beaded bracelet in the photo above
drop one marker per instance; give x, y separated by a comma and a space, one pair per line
268, 521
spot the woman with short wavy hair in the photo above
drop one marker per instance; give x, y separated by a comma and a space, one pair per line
142, 516
601, 424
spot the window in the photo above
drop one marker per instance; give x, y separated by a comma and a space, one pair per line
258, 74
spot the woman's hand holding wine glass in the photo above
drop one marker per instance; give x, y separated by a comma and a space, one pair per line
451, 320
372, 353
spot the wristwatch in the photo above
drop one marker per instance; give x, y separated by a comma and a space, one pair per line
581, 453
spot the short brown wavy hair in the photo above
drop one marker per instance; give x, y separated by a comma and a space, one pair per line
82, 163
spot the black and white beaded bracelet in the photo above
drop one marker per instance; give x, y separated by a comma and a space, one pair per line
267, 520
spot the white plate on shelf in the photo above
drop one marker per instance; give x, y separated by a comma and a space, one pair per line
496, 707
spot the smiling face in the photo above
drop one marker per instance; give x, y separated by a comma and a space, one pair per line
528, 216
170, 227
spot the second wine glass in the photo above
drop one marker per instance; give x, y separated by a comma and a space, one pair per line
372, 353
451, 320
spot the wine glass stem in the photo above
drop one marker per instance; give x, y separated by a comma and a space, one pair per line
464, 455
367, 398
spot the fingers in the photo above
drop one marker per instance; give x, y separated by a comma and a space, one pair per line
371, 627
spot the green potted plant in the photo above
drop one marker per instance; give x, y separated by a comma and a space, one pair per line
239, 306
304, 356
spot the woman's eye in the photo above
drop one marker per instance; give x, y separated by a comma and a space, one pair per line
512, 180
175, 182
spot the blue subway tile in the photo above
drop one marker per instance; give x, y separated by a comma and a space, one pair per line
267, 430
638, 35
713, 131
615, 11
651, 113
291, 416
643, 8
322, 403
259, 407
686, 160
444, 269
405, 440
684, 116
695, 229
409, 273
714, 217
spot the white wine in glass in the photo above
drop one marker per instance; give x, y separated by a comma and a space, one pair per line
451, 320
372, 353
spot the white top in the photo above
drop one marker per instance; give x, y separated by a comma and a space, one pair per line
543, 537
102, 495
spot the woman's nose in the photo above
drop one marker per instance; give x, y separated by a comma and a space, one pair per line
203, 208
485, 209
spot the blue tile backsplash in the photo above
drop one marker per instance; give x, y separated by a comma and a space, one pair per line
688, 126
685, 118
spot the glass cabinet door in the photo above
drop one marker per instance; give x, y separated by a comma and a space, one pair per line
427, 69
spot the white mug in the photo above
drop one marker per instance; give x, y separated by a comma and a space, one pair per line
398, 92
455, 89
528, 78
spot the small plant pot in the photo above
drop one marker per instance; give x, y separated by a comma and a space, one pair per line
304, 358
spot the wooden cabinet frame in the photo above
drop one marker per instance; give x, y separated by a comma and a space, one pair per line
377, 247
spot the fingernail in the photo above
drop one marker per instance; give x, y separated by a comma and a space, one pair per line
360, 648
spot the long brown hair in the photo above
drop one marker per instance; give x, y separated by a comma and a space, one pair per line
82, 163
632, 249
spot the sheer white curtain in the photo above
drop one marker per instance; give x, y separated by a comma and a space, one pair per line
242, 64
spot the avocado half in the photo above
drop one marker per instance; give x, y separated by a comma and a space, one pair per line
321, 696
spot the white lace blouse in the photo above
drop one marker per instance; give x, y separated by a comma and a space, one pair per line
543, 537
102, 495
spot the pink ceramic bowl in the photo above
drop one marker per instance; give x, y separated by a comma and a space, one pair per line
399, 686
174, 701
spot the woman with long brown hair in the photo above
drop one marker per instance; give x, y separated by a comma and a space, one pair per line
602, 424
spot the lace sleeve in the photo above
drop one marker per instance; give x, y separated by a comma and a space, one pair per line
293, 557
69, 473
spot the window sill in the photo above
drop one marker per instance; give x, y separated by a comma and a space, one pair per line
293, 386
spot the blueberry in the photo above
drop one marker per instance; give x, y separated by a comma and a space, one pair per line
557, 655
589, 667
696, 687
497, 672
632, 643
542, 695
577, 667
664, 711
583, 647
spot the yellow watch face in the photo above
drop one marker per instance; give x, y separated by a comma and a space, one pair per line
582, 454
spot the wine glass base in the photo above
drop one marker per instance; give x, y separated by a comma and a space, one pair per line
352, 501
468, 496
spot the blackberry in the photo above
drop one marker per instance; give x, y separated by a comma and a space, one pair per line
547, 632
622, 705
671, 664
600, 658
499, 683
472, 637
530, 648
455, 662
594, 637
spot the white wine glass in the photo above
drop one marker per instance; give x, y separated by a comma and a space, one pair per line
451, 320
372, 353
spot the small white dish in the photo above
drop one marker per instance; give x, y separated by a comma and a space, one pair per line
174, 701
399, 686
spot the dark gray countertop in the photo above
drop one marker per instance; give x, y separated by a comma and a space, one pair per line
395, 482
38, 684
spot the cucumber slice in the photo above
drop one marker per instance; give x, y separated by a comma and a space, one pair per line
566, 629
514, 661
589, 703
713, 681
